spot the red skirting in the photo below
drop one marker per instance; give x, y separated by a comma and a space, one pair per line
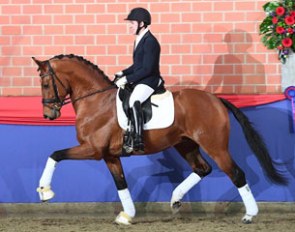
28, 110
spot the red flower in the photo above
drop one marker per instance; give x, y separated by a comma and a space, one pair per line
289, 20
280, 30
280, 10
275, 20
287, 42
290, 31
292, 13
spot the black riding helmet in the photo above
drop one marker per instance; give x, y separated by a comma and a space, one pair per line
140, 14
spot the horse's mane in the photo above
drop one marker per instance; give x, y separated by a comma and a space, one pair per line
85, 61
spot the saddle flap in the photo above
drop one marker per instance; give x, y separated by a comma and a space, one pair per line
124, 95
158, 111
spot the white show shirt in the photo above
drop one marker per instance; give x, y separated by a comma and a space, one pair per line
139, 37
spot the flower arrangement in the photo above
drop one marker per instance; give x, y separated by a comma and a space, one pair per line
278, 28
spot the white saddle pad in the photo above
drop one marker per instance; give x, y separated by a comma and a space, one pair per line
163, 112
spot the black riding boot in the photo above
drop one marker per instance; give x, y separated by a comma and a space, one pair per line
138, 144
129, 135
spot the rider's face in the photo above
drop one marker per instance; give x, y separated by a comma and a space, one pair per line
132, 26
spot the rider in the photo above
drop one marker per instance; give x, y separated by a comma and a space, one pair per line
144, 74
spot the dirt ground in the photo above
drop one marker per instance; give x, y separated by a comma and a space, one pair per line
89, 220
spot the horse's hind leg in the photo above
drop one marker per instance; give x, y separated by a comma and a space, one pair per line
189, 150
237, 176
217, 148
214, 139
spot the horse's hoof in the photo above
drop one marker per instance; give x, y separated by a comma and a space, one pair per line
123, 219
175, 207
45, 193
247, 219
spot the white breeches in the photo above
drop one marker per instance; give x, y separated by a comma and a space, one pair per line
140, 93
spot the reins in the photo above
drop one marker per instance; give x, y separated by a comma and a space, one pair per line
90, 94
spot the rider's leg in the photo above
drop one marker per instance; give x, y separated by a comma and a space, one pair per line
138, 126
129, 134
140, 94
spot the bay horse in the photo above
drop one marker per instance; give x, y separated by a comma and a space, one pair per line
201, 121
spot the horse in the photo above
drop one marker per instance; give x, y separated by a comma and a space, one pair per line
202, 123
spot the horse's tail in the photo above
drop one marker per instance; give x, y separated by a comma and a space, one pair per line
256, 144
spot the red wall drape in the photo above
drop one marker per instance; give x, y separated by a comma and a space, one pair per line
28, 110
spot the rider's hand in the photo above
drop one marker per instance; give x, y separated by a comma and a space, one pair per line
117, 76
121, 82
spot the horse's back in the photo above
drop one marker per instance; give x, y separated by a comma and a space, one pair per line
198, 99
199, 108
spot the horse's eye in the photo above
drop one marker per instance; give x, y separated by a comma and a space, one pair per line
45, 86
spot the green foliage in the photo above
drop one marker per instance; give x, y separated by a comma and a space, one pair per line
278, 27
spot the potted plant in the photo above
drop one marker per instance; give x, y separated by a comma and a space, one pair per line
278, 32
278, 28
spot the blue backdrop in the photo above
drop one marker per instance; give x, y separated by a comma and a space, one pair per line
25, 149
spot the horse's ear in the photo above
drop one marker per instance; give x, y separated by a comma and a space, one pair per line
39, 63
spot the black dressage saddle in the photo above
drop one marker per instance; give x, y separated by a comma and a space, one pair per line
124, 95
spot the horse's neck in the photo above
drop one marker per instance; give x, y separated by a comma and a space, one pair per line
83, 77
97, 109
87, 84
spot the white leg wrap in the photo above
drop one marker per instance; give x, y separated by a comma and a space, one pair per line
249, 201
184, 187
44, 190
46, 177
127, 202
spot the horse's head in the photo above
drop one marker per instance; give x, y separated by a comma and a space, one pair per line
69, 74
54, 91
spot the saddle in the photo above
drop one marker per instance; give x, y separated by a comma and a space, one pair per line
124, 95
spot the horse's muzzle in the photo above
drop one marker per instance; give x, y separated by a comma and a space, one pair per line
51, 113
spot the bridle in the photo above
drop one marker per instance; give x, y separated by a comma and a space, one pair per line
57, 101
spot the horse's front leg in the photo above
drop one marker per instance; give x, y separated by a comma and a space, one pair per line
78, 152
115, 167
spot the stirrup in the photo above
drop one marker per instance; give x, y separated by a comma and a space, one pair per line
127, 143
127, 149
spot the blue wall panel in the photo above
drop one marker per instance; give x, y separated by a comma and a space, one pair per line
25, 149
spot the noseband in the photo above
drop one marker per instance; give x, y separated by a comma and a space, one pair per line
57, 101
